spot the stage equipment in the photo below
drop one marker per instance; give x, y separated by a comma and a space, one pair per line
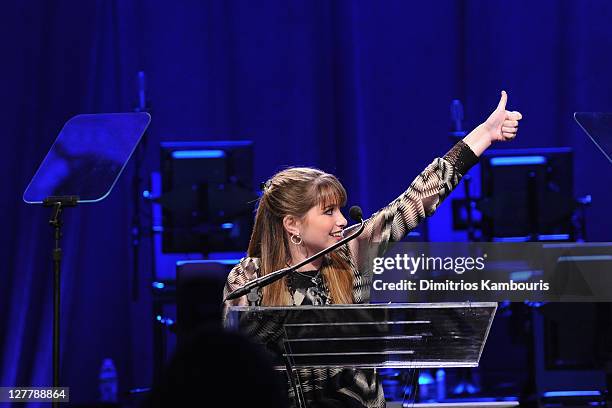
183, 306
199, 287
82, 166
527, 195
598, 127
136, 229
207, 196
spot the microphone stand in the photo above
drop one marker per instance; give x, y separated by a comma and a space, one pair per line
252, 287
139, 154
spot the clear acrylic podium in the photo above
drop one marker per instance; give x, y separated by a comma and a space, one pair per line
410, 335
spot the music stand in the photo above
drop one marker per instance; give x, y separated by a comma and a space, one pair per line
410, 335
82, 166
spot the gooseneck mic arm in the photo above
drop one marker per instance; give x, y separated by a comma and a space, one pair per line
355, 213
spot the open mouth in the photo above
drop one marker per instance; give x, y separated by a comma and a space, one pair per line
337, 234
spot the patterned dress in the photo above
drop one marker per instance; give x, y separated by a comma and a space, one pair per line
351, 387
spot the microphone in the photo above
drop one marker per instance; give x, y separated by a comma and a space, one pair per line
456, 111
355, 213
142, 95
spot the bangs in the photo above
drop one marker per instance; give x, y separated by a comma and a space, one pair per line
329, 192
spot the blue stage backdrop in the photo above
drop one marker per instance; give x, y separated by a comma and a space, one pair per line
358, 88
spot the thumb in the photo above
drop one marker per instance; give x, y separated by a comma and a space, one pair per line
502, 101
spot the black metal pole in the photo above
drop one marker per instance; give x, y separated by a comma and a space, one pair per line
136, 190
468, 207
533, 206
56, 223
136, 227
57, 203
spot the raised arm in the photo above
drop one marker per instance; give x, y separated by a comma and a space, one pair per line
435, 183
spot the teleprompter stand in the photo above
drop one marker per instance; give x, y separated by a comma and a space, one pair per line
57, 204
598, 127
82, 166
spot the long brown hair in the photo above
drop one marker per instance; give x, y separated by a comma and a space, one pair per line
293, 192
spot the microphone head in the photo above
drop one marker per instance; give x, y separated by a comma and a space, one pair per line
456, 110
355, 213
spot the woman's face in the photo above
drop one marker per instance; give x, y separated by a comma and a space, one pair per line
322, 227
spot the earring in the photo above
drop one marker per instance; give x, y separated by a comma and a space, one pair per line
293, 237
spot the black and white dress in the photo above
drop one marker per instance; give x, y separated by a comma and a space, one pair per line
350, 387
307, 288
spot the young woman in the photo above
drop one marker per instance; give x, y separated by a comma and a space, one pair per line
299, 215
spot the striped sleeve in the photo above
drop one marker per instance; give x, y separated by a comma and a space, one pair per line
243, 272
422, 198
393, 222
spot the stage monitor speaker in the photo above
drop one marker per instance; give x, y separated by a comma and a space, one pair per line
527, 193
207, 196
200, 293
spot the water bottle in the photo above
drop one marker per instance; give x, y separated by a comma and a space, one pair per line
440, 385
426, 386
108, 381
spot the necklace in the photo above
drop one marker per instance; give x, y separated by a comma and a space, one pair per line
315, 279
319, 292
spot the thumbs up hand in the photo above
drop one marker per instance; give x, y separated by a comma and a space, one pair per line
502, 125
